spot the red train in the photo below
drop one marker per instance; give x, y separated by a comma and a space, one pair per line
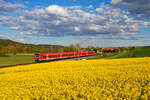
61, 55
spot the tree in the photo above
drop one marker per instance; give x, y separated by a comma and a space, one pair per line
2, 54
90, 47
70, 48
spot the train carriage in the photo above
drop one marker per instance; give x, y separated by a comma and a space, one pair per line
61, 55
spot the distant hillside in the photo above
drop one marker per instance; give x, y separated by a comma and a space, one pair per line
136, 52
9, 47
125, 52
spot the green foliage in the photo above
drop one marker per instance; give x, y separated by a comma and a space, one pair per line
2, 54
11, 47
123, 52
141, 52
70, 48
135, 52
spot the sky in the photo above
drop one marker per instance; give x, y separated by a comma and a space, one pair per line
100, 23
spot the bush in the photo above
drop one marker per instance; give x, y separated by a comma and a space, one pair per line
2, 54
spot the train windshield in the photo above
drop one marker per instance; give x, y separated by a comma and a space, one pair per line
37, 55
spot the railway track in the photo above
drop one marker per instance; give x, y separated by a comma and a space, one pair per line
45, 61
17, 65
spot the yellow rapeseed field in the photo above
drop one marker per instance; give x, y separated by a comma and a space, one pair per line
88, 79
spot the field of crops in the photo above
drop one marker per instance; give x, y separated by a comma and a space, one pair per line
88, 79
16, 59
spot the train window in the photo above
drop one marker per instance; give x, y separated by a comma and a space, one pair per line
37, 55
44, 57
53, 56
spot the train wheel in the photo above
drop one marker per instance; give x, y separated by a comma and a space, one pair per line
37, 61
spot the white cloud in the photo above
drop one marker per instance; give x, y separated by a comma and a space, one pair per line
115, 1
96, 28
100, 10
22, 40
6, 7
139, 7
72, 21
146, 24
55, 9
3, 36
76, 28
74, 7
90, 7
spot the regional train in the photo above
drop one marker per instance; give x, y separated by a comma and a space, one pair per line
39, 57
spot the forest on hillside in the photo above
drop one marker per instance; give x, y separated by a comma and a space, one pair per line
12, 47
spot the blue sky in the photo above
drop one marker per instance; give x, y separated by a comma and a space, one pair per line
102, 23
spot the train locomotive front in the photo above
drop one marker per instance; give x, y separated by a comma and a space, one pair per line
37, 57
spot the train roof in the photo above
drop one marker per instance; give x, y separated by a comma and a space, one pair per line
59, 52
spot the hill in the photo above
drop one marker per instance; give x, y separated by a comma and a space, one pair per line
125, 52
13, 47
135, 52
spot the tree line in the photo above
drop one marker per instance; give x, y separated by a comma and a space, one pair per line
12, 47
